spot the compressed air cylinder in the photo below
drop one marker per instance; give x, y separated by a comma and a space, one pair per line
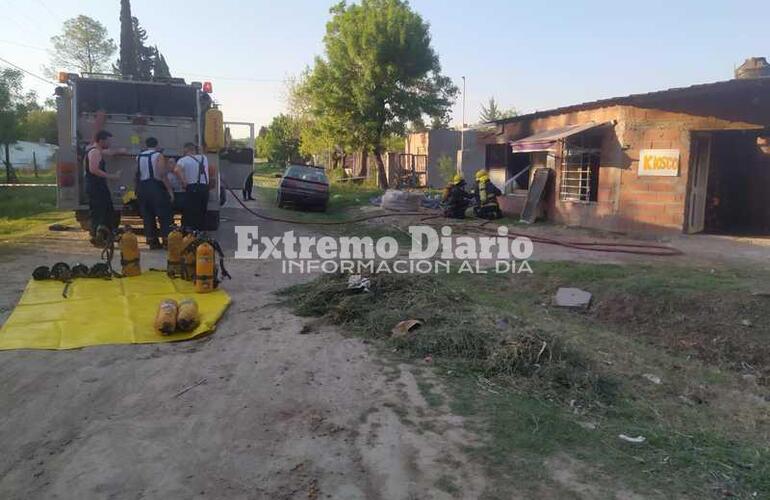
188, 317
214, 130
204, 268
165, 319
188, 257
129, 254
174, 261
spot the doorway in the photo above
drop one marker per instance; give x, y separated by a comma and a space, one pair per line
730, 184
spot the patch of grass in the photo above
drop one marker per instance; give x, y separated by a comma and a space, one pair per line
23, 208
433, 398
447, 484
527, 375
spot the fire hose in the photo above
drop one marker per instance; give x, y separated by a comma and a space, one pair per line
608, 247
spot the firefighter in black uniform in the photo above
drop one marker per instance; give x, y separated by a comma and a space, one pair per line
456, 199
486, 197
154, 193
100, 205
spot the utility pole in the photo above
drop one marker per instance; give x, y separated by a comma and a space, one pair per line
462, 129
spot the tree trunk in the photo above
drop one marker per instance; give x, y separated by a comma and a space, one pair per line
382, 178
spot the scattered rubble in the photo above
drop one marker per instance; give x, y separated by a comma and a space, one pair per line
405, 327
652, 378
633, 440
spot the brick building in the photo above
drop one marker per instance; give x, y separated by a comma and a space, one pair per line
691, 159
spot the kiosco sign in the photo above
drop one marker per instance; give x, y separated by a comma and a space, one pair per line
663, 162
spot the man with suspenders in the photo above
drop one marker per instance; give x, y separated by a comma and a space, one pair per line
194, 170
154, 193
100, 205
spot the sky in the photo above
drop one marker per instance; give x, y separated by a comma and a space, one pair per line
528, 55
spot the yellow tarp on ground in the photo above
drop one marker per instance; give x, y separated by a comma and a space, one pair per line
99, 311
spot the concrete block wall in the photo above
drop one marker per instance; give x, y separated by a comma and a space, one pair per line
626, 201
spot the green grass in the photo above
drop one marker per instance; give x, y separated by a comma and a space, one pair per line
553, 369
25, 208
343, 197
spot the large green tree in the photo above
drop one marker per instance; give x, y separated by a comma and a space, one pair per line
82, 46
279, 142
127, 64
137, 59
40, 124
379, 73
14, 106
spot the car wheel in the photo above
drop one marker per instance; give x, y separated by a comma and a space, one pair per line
279, 200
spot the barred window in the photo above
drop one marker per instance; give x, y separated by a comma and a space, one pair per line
580, 170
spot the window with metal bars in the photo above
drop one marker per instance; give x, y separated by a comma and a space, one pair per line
580, 171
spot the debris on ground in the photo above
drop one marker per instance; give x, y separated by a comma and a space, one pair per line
747, 323
589, 426
652, 378
358, 282
306, 329
632, 440
405, 327
394, 199
573, 298
59, 227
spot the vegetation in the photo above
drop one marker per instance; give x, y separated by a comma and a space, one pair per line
537, 383
279, 143
492, 112
82, 46
136, 58
40, 124
14, 106
23, 208
379, 73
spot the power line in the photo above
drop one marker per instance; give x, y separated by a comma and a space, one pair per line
24, 45
44, 80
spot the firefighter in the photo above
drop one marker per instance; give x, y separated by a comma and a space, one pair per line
194, 169
486, 197
154, 193
100, 205
456, 198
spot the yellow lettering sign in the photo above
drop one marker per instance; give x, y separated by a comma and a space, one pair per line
663, 162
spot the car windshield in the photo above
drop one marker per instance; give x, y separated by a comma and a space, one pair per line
306, 173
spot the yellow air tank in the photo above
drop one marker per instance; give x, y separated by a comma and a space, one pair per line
174, 261
204, 268
129, 254
214, 131
188, 317
188, 257
165, 319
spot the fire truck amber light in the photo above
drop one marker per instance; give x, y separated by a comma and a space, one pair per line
207, 87
63, 77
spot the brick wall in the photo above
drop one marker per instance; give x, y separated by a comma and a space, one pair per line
626, 201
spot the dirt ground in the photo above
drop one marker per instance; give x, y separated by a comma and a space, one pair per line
255, 410
273, 413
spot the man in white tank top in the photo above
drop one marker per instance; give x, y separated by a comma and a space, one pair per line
196, 177
154, 193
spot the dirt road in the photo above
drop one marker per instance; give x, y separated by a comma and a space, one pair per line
256, 410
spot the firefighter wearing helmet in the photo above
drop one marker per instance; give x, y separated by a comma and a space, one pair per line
455, 199
486, 197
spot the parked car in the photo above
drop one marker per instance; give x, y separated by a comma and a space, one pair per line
304, 186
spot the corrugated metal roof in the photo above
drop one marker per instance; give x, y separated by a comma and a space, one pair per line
546, 140
647, 98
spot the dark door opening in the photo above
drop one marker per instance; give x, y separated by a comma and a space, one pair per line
738, 192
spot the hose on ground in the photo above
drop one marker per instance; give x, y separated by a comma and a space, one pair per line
608, 247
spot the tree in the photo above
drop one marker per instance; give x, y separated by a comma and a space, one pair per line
83, 46
40, 124
160, 69
280, 141
491, 112
379, 74
127, 64
145, 63
14, 106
